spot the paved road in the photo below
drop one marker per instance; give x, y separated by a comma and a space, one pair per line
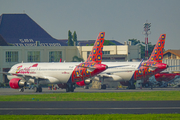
89, 107
9, 91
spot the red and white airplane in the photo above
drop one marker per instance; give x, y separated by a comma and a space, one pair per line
54, 73
162, 79
129, 72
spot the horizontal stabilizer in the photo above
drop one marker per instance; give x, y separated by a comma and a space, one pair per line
89, 69
151, 67
111, 78
130, 70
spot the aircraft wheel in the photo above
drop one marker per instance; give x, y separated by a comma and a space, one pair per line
72, 89
132, 87
21, 90
103, 86
86, 87
35, 89
67, 89
40, 89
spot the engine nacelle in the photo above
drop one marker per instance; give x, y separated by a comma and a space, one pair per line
84, 82
16, 83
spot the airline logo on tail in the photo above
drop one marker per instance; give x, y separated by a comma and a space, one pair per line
154, 63
157, 54
96, 53
93, 65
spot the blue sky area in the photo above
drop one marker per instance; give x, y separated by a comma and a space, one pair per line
120, 19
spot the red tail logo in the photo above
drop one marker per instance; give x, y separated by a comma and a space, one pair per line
157, 54
96, 53
154, 63
93, 65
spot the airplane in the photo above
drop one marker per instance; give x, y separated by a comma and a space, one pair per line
129, 72
162, 79
53, 73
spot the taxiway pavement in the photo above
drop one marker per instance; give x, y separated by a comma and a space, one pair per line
88, 107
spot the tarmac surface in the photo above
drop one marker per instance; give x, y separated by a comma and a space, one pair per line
86, 107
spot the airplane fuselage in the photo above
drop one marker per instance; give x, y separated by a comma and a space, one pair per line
54, 72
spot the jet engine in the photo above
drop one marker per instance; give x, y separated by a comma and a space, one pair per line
84, 82
17, 83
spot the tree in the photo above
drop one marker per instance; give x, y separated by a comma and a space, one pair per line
75, 38
107, 42
70, 42
77, 59
134, 41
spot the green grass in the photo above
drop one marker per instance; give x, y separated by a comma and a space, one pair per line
94, 117
117, 96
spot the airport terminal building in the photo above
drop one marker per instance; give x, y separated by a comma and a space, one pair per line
23, 40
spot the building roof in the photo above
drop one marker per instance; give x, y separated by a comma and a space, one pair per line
175, 52
20, 29
3, 42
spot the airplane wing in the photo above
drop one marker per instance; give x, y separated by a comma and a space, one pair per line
110, 72
90, 69
169, 71
151, 67
130, 70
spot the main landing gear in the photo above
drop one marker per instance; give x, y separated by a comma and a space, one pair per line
37, 89
70, 87
103, 86
21, 90
131, 85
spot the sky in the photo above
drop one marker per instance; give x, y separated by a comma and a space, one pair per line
119, 19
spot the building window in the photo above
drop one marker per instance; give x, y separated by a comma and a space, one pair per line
12, 56
169, 55
55, 56
106, 52
173, 56
33, 56
88, 53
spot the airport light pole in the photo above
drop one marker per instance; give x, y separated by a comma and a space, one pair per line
146, 32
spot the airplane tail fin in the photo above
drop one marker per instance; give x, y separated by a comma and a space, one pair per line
157, 54
96, 53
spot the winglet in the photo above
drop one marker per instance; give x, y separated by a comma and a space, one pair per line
96, 53
140, 63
